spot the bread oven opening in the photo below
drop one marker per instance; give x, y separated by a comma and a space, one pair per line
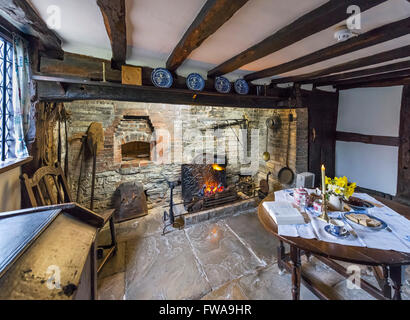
136, 150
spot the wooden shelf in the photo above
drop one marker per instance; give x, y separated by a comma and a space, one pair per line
54, 88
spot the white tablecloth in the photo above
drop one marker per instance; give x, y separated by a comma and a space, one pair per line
397, 240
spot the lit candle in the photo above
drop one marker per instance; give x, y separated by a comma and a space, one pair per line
323, 179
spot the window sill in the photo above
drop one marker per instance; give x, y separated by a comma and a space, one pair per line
12, 164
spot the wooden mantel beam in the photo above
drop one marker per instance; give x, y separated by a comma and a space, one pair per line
20, 14
113, 12
381, 57
49, 89
315, 21
382, 34
212, 16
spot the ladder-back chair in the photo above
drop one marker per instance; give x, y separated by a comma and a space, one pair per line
48, 186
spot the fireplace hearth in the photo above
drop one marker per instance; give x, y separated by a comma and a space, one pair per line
212, 201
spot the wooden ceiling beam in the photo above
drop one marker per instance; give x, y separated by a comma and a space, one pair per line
381, 57
212, 16
387, 76
313, 22
382, 34
377, 83
22, 16
113, 12
364, 72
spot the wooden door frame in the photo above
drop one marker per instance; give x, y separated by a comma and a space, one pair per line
403, 175
316, 97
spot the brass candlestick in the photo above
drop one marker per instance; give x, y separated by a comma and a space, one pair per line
324, 215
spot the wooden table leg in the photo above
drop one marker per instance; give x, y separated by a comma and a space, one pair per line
386, 286
296, 272
381, 274
93, 284
281, 256
396, 278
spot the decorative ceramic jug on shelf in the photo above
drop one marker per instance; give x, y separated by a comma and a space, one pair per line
336, 202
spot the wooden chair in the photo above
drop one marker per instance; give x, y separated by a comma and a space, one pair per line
48, 186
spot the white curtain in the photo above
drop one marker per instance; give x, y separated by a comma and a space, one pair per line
23, 116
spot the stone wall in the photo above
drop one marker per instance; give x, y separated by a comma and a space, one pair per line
278, 144
189, 131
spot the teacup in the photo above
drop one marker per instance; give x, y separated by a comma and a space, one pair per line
337, 227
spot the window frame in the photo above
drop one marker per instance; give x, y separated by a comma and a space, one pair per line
7, 39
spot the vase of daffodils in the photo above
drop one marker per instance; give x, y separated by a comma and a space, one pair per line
337, 190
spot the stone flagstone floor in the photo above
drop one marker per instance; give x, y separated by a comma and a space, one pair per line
230, 258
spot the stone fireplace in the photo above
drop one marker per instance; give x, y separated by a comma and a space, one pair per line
148, 145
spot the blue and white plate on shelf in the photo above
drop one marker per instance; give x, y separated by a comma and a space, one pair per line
222, 85
241, 86
195, 82
161, 78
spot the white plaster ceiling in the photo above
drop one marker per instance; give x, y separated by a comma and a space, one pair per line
156, 26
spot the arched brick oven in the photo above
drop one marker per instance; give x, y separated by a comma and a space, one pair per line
133, 141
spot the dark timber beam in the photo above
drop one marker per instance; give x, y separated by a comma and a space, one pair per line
315, 21
75, 89
212, 16
113, 12
381, 57
365, 72
76, 65
376, 83
368, 139
368, 39
25, 19
403, 181
394, 75
90, 68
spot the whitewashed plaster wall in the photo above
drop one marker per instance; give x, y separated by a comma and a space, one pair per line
372, 111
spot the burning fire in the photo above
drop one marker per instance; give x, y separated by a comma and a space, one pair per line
212, 188
217, 167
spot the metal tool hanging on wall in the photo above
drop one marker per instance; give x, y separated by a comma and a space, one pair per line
92, 144
273, 123
286, 174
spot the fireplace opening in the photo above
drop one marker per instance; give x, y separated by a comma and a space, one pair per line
136, 150
205, 185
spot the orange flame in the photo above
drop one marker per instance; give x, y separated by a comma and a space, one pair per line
213, 188
217, 167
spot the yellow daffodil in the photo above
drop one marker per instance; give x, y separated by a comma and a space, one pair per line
340, 186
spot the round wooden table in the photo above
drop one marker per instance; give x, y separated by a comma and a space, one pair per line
386, 264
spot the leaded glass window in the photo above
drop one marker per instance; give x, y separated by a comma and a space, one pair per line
6, 99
